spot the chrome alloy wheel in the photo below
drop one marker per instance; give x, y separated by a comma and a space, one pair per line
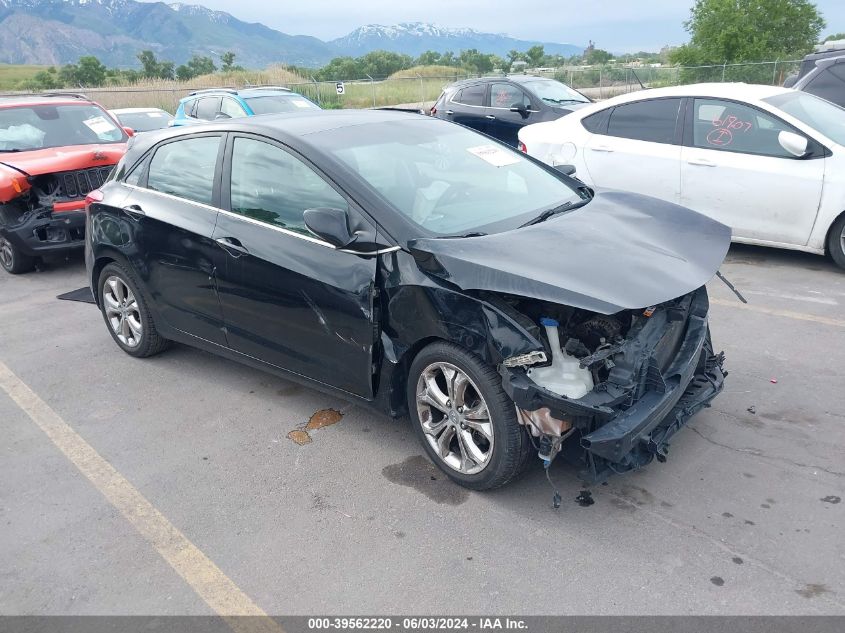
842, 240
6, 257
454, 418
122, 311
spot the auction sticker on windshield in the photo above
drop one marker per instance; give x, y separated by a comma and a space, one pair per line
99, 125
496, 156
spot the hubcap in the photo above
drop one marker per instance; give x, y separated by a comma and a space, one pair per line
122, 311
5, 253
842, 240
454, 418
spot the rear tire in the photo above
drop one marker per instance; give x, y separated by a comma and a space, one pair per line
126, 314
13, 260
836, 242
465, 421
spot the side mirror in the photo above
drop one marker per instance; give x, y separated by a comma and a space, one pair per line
220, 116
521, 109
793, 143
330, 224
129, 131
566, 170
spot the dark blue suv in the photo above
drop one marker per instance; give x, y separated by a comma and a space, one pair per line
215, 104
500, 106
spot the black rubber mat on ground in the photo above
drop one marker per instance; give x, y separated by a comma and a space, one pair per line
83, 294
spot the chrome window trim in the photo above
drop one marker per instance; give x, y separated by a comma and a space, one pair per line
279, 229
202, 205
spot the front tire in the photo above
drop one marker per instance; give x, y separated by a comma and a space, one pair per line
463, 418
126, 314
836, 242
13, 260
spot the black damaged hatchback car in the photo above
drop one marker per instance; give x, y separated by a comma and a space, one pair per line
415, 266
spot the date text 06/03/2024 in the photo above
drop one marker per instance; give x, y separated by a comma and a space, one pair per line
429, 623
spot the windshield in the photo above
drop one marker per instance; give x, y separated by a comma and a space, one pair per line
145, 121
270, 104
444, 178
554, 93
821, 115
35, 127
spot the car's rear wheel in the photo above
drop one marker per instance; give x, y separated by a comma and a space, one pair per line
464, 419
127, 316
12, 260
836, 242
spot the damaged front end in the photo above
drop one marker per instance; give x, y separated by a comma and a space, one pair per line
618, 385
45, 212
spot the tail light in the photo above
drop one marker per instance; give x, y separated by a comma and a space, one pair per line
523, 148
93, 196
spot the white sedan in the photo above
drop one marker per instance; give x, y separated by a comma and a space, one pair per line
767, 161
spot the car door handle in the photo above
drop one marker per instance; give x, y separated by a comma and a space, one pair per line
490, 116
450, 112
602, 148
232, 246
134, 211
701, 162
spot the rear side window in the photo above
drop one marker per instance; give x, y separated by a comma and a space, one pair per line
597, 123
829, 84
273, 186
207, 108
653, 120
471, 95
185, 168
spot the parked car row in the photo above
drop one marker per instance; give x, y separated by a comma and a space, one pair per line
420, 268
767, 161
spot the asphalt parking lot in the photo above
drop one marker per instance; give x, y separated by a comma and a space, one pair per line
744, 518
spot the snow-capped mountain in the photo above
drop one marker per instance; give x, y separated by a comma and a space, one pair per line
413, 38
61, 31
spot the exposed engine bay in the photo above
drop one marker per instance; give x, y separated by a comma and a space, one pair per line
39, 216
619, 385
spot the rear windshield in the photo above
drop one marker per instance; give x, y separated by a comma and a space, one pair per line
270, 104
444, 178
145, 121
25, 128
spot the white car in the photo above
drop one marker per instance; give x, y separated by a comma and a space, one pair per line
143, 119
767, 161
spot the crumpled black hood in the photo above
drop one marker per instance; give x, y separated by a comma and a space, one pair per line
620, 251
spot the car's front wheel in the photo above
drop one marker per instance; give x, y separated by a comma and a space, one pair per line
12, 260
836, 242
464, 419
128, 318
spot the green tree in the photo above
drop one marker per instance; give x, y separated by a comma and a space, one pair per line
535, 55
748, 31
151, 68
90, 71
835, 36
195, 67
429, 58
227, 60
597, 56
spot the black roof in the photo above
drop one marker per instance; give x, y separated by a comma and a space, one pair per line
281, 125
520, 79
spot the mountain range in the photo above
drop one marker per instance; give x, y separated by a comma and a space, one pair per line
60, 31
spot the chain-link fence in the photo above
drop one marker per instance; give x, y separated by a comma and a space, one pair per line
418, 91
602, 82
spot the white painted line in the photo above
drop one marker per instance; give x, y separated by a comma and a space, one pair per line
217, 590
788, 314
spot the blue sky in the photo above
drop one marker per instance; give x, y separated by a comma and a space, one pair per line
619, 25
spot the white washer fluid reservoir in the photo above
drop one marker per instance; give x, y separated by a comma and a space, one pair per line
564, 376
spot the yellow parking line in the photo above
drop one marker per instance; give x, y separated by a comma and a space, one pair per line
789, 314
205, 578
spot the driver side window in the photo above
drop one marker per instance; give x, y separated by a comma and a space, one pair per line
507, 96
273, 186
736, 127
